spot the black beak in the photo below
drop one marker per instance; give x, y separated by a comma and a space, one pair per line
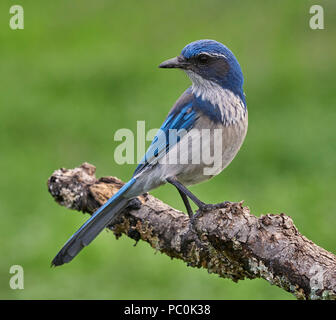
177, 62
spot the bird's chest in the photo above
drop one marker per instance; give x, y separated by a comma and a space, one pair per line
210, 149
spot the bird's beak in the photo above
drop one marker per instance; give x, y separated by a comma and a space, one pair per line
177, 62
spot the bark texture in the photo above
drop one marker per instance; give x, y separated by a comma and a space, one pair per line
230, 242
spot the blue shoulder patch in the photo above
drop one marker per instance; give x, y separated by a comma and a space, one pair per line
182, 116
208, 109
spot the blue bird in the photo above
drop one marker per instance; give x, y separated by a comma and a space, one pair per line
200, 137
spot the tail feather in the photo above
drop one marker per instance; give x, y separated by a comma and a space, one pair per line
93, 226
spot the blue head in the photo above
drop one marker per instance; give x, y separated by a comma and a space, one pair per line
209, 60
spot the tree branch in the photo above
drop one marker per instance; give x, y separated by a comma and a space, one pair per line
230, 242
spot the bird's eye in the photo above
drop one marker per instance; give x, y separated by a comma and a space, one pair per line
203, 58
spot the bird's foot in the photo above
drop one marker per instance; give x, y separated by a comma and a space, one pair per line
192, 221
209, 206
194, 217
204, 207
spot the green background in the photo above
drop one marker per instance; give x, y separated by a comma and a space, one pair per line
80, 70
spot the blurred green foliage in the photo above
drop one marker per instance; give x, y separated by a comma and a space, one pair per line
80, 70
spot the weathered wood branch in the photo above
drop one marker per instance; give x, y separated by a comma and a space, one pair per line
230, 242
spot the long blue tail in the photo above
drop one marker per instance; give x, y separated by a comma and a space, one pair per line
92, 227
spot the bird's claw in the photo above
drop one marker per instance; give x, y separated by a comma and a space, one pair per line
209, 206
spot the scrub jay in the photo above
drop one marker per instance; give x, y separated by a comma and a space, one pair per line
211, 113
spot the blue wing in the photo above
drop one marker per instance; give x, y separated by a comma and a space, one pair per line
182, 116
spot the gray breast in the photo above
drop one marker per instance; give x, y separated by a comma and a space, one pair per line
210, 150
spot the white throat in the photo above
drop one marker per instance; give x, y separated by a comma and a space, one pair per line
231, 106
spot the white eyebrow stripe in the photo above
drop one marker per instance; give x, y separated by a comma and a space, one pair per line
212, 54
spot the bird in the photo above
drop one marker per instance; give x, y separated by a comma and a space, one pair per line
210, 114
